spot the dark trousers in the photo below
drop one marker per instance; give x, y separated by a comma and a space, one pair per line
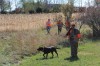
48, 29
74, 48
59, 30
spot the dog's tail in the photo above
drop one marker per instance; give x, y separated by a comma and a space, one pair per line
57, 48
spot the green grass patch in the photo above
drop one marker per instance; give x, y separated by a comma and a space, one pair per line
89, 55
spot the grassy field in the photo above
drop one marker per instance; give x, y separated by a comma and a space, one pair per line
89, 55
18, 45
15, 45
21, 34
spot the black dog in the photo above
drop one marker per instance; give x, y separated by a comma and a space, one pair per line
47, 50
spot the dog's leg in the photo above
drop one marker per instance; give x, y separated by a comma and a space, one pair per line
56, 52
46, 55
52, 54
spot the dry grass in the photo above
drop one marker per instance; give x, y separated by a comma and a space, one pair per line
21, 35
18, 44
24, 21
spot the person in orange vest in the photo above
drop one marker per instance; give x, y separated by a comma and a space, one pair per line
74, 36
67, 25
48, 26
60, 25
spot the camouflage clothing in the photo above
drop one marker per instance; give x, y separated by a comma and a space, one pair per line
74, 42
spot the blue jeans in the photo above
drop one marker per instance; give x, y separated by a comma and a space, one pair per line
48, 29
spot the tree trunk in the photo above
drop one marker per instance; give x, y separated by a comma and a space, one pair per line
96, 32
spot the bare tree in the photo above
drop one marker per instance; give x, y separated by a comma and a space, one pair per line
92, 18
9, 5
97, 2
16, 4
23, 6
68, 9
2, 5
27, 5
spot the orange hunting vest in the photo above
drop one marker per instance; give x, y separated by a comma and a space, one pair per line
67, 24
48, 24
78, 35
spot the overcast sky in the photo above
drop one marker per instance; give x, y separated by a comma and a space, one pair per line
77, 2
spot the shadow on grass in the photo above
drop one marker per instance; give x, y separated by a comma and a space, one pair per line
46, 58
72, 59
